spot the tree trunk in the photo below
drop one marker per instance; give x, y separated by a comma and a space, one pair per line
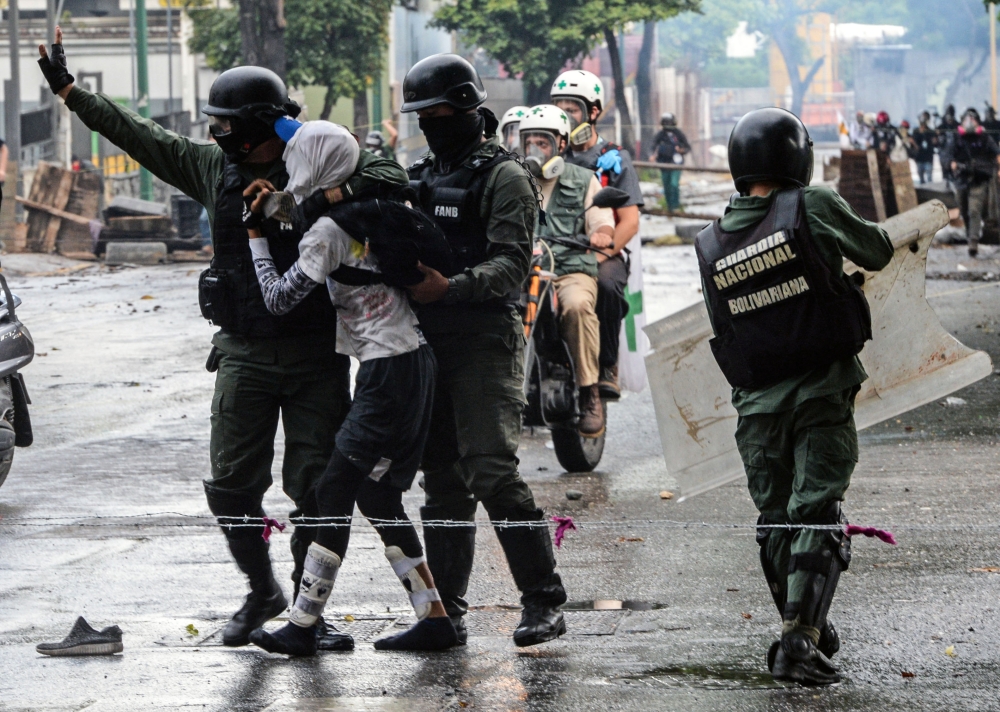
262, 34
644, 87
970, 67
329, 101
799, 85
533, 96
628, 134
361, 126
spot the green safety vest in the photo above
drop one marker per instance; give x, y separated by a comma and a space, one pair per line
563, 219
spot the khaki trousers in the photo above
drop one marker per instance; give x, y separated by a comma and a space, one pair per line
577, 294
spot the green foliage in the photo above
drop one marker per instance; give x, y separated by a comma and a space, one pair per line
738, 72
339, 44
217, 36
538, 38
692, 40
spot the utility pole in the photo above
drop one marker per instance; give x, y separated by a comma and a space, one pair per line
993, 54
142, 79
12, 99
170, 61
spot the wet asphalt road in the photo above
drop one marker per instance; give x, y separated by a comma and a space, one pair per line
121, 404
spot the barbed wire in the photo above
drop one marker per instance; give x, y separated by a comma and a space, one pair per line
203, 520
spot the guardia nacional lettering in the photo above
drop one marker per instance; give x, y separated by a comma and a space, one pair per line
761, 256
766, 297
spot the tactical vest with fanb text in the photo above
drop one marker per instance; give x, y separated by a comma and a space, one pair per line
778, 310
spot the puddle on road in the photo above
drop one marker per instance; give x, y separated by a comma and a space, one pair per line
718, 677
612, 605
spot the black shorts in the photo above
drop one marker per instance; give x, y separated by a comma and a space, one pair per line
386, 428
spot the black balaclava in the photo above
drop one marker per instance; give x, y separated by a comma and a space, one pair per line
453, 137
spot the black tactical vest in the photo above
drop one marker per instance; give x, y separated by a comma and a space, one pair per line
229, 292
454, 200
778, 310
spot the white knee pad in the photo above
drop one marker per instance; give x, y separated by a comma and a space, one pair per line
318, 576
406, 569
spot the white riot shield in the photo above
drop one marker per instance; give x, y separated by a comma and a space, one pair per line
911, 360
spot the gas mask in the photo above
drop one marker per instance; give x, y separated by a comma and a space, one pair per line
512, 137
539, 162
581, 134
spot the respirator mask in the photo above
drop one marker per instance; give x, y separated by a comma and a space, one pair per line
541, 163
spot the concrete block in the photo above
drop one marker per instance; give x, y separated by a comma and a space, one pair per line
136, 253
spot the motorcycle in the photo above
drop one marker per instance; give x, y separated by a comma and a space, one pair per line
17, 349
549, 372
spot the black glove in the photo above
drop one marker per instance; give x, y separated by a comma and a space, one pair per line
54, 68
251, 220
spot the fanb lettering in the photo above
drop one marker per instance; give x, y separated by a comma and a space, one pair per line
446, 211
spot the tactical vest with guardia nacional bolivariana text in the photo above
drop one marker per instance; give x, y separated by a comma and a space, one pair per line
777, 308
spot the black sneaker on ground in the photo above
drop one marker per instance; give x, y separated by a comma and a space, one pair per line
260, 607
461, 631
84, 640
290, 639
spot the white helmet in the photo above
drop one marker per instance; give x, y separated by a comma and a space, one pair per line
546, 117
579, 84
552, 123
513, 115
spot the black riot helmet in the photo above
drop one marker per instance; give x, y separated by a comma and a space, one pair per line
246, 101
442, 79
770, 145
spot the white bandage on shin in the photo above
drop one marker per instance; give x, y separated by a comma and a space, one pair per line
406, 569
318, 576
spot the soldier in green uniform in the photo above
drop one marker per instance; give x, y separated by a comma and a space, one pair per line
485, 204
265, 365
788, 327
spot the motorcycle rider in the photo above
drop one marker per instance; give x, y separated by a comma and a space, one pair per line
788, 327
567, 190
486, 205
508, 129
266, 366
670, 145
973, 165
580, 94
884, 135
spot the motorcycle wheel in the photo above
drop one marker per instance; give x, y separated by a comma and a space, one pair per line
6, 428
575, 452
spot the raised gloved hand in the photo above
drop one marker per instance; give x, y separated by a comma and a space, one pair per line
53, 65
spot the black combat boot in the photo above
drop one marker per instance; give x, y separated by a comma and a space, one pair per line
799, 657
591, 412
449, 553
529, 555
771, 540
265, 600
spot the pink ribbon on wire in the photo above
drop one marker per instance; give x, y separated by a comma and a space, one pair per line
269, 526
563, 525
881, 534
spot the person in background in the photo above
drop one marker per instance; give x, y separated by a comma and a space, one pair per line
376, 144
3, 161
924, 140
884, 135
990, 123
947, 134
973, 166
670, 146
508, 131
581, 95
860, 133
